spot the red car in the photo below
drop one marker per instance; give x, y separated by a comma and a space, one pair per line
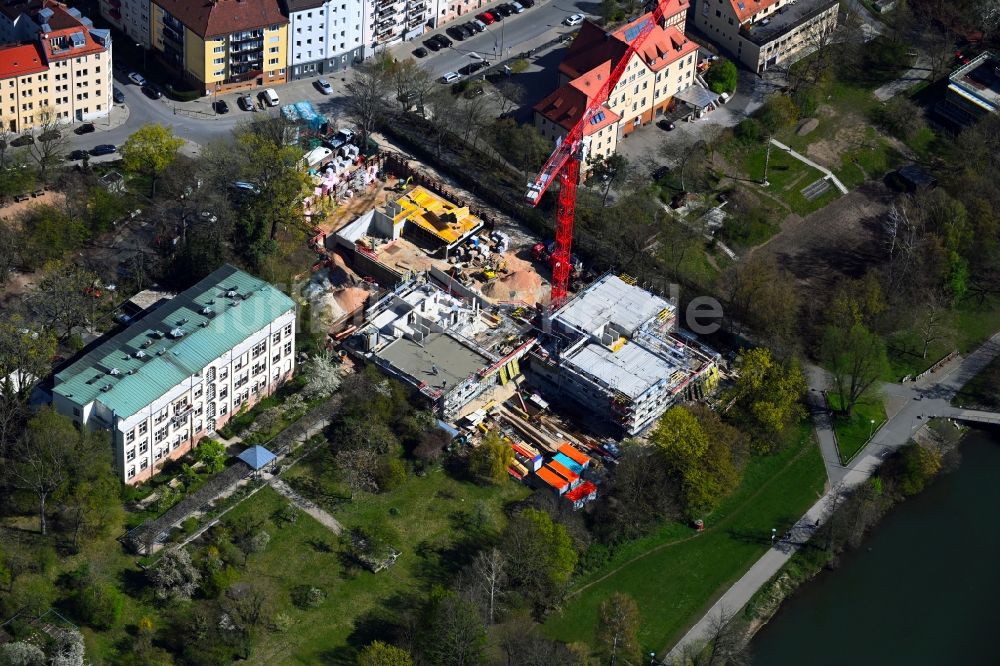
487, 18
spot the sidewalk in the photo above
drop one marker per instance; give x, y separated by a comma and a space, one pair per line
805, 160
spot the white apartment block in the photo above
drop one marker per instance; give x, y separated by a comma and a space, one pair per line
182, 370
324, 36
763, 33
388, 22
56, 66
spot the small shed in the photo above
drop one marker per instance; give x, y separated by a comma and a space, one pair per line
912, 178
113, 181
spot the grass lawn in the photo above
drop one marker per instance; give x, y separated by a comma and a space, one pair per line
430, 515
787, 176
853, 432
983, 390
675, 574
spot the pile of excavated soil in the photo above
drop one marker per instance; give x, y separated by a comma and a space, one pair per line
521, 283
806, 126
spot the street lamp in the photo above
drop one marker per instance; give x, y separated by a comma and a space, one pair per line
143, 49
652, 658
774, 533
871, 429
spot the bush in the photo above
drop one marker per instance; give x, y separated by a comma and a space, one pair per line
807, 101
391, 473
99, 605
308, 596
749, 131
281, 622
777, 113
721, 77
217, 581
189, 525
183, 95
900, 117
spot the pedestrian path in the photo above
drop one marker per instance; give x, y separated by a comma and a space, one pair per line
923, 401
319, 514
805, 160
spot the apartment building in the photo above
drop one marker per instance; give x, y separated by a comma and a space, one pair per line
324, 36
763, 33
130, 17
973, 91
665, 65
182, 370
389, 22
55, 66
614, 349
222, 45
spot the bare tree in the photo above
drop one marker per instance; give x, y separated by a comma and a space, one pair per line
900, 236
932, 321
359, 468
40, 461
47, 150
724, 645
512, 95
367, 95
6, 136
617, 628
247, 608
489, 575
63, 299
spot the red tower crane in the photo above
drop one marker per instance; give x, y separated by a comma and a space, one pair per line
564, 163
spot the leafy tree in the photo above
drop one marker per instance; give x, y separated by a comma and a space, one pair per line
640, 494
174, 576
900, 117
104, 208
99, 604
247, 607
49, 233
390, 472
706, 467
63, 299
25, 356
532, 536
721, 76
920, 464
212, 454
617, 629
40, 461
521, 642
378, 653
777, 113
856, 358
489, 461
149, 151
768, 393
762, 296
91, 501
455, 635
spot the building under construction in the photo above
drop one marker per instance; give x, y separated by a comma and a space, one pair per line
445, 346
614, 349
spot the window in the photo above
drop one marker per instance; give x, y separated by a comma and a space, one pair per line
276, 338
219, 61
273, 49
144, 464
130, 437
161, 434
143, 446
130, 456
288, 348
143, 427
197, 392
224, 393
273, 61
223, 409
131, 471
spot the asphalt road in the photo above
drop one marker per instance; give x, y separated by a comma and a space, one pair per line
501, 40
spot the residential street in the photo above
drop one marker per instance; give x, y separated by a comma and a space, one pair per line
922, 399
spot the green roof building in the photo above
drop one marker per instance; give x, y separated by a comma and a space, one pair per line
182, 369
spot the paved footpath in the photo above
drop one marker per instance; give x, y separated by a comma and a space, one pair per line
927, 398
805, 160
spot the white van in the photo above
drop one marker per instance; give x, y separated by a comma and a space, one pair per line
270, 97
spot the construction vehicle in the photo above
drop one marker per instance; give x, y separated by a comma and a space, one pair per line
564, 163
546, 253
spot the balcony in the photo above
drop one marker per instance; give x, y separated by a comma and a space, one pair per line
169, 34
253, 59
246, 35
243, 47
243, 77
417, 8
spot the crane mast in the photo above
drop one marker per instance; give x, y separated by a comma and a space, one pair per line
564, 164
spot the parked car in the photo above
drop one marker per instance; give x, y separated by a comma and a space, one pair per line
480, 26
456, 32
473, 67
433, 44
467, 30
475, 26
77, 155
245, 102
443, 41
269, 97
324, 86
85, 128
420, 52
573, 19
23, 140
665, 125
151, 91
136, 78
449, 77
118, 96
518, 7
503, 10
221, 106
528, 4
487, 18
103, 149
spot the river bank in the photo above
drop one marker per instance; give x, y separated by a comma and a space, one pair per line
908, 584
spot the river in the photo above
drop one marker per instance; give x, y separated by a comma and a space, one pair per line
922, 589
